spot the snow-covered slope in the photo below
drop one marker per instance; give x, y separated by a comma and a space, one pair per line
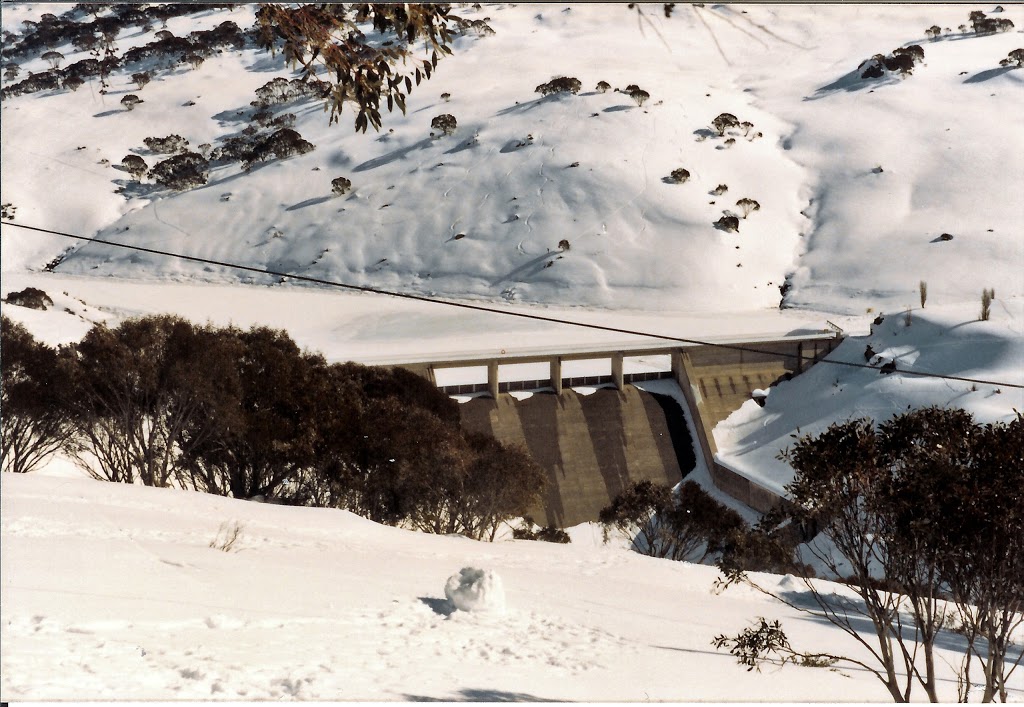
946, 139
113, 592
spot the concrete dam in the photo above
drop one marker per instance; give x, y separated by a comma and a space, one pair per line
593, 446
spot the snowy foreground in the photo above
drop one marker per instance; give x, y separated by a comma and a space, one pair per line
113, 592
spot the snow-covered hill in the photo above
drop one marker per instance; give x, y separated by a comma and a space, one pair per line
855, 178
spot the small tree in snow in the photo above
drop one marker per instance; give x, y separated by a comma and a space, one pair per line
55, 58
639, 95
444, 123
73, 82
141, 79
680, 175
341, 185
748, 206
603, 86
130, 101
1014, 57
135, 166
728, 222
724, 121
562, 84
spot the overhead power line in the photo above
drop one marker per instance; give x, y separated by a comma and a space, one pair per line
480, 308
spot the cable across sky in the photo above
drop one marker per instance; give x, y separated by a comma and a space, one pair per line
481, 308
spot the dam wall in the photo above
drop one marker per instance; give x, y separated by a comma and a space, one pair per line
592, 446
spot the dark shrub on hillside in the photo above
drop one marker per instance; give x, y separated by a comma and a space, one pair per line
185, 171
724, 121
914, 50
1015, 57
166, 145
279, 145
444, 123
135, 166
282, 90
169, 50
341, 185
30, 297
728, 223
562, 84
639, 95
529, 530
130, 101
679, 175
43, 81
73, 83
602, 86
226, 34
687, 525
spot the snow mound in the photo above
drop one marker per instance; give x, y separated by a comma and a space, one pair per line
474, 589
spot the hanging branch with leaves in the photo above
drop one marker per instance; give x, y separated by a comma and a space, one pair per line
367, 71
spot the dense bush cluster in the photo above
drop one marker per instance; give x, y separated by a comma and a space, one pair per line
982, 24
690, 525
252, 146
281, 90
161, 401
166, 145
561, 84
901, 61
1014, 58
187, 170
97, 36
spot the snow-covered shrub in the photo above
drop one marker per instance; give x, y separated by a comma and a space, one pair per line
166, 145
602, 86
679, 176
282, 90
30, 297
561, 84
280, 144
135, 166
476, 590
444, 123
130, 101
724, 121
728, 223
1015, 57
185, 171
720, 189
141, 79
